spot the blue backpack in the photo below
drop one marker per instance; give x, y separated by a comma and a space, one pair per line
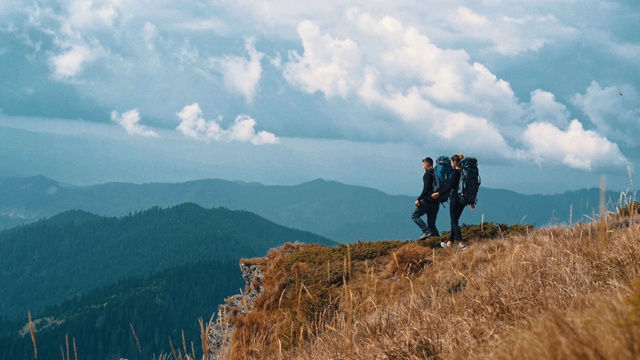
442, 178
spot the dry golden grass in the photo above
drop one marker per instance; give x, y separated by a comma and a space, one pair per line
557, 293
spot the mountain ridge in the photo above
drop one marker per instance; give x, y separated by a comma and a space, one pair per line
337, 211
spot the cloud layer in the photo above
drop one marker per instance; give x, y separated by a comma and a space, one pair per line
442, 93
526, 82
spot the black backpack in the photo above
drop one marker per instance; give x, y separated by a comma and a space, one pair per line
469, 180
442, 178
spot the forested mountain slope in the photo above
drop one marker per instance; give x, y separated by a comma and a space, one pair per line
105, 323
54, 259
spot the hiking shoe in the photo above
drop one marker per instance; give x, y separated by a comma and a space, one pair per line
462, 247
425, 236
445, 245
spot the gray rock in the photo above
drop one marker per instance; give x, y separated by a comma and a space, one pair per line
221, 331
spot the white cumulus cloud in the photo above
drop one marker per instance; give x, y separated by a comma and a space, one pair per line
193, 124
92, 13
614, 111
510, 30
130, 121
397, 67
240, 74
71, 61
76, 28
328, 64
575, 147
467, 16
544, 107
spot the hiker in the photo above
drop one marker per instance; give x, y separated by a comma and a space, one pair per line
456, 204
425, 204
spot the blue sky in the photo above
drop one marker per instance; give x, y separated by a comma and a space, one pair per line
544, 93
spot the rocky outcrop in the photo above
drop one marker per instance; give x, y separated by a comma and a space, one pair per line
221, 330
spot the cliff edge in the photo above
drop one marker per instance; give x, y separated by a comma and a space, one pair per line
566, 292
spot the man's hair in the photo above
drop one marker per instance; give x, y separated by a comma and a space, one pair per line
428, 160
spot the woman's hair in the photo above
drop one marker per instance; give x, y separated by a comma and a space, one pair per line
457, 157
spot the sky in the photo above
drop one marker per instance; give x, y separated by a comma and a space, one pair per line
545, 94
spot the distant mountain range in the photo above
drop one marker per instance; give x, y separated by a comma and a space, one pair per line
337, 211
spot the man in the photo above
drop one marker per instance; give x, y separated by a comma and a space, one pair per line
425, 204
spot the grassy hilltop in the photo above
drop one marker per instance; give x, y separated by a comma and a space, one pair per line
555, 293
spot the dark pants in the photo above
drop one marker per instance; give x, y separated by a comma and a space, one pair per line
455, 211
431, 210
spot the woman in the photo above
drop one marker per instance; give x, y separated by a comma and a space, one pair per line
456, 205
